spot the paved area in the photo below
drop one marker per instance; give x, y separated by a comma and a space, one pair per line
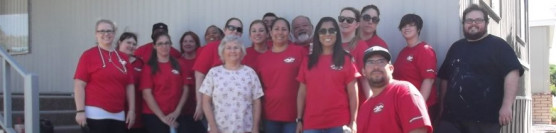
544, 128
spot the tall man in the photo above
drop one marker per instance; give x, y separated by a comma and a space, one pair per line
479, 79
394, 106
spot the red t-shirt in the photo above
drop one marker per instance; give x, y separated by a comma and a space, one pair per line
326, 99
376, 41
399, 108
106, 86
137, 66
358, 52
190, 104
250, 58
208, 58
145, 51
416, 64
166, 85
277, 72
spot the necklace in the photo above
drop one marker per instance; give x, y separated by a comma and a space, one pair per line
124, 70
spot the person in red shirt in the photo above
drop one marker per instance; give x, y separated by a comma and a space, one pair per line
127, 44
102, 82
258, 35
209, 58
370, 16
164, 87
213, 33
189, 44
144, 51
394, 106
327, 96
416, 63
277, 69
349, 21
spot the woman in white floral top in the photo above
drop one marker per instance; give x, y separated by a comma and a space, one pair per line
232, 92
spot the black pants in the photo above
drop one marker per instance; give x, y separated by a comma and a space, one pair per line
104, 126
467, 127
186, 124
191, 126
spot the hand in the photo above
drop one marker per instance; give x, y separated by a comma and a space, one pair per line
81, 119
353, 127
130, 119
505, 115
172, 117
213, 130
198, 113
299, 128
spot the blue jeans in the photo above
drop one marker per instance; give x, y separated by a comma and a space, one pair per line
279, 127
326, 130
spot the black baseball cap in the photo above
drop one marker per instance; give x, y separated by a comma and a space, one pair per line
160, 26
377, 50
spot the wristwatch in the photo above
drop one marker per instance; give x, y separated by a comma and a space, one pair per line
298, 120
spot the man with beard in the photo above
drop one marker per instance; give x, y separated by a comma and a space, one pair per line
302, 31
394, 106
479, 79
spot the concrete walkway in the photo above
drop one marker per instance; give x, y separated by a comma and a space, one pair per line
544, 128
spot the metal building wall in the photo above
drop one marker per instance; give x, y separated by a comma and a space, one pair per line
62, 29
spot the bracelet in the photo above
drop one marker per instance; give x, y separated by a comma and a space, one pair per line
80, 111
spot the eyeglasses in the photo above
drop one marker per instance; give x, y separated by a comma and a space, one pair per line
163, 43
369, 18
349, 20
233, 28
105, 31
331, 31
379, 62
471, 21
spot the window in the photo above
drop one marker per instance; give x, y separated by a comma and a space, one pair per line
14, 26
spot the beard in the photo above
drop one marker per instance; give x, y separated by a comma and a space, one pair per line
475, 36
377, 81
304, 37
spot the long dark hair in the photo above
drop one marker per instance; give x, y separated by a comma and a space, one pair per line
153, 62
338, 55
195, 38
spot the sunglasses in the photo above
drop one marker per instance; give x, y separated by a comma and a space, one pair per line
233, 28
349, 20
331, 31
369, 18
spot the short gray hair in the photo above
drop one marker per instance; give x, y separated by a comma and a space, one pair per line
230, 39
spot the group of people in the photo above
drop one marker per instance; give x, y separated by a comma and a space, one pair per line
334, 77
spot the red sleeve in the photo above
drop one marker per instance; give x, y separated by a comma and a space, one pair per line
427, 62
175, 53
411, 108
140, 52
204, 61
352, 72
81, 72
146, 78
302, 70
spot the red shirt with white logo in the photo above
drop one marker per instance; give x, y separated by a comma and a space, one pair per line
415, 64
399, 108
208, 58
277, 72
166, 86
145, 51
106, 86
326, 99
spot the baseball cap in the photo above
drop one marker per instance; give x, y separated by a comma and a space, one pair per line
376, 50
160, 26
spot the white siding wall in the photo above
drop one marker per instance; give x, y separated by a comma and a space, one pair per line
62, 29
539, 61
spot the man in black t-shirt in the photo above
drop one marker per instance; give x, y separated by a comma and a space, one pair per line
479, 79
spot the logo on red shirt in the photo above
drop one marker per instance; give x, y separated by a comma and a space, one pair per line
410, 58
378, 108
174, 71
289, 60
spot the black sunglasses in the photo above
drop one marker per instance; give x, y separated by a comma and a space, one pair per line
233, 28
349, 20
331, 31
369, 18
